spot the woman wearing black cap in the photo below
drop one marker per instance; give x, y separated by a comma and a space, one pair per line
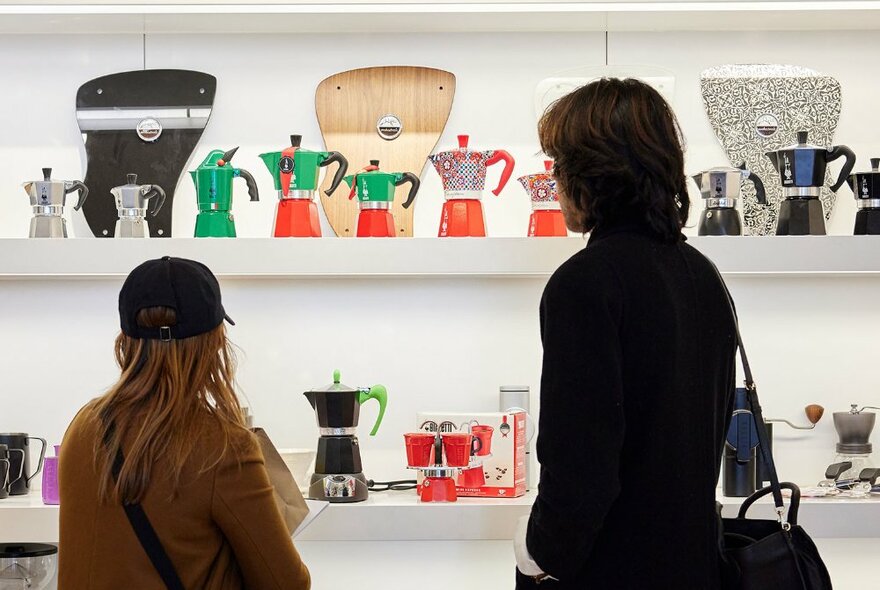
169, 444
638, 374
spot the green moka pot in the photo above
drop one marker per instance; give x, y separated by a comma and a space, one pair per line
376, 187
300, 168
213, 181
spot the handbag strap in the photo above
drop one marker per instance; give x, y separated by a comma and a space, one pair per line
755, 408
147, 536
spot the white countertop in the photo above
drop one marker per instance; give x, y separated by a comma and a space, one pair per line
399, 516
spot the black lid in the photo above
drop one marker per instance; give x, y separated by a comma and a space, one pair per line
295, 140
374, 163
19, 550
186, 286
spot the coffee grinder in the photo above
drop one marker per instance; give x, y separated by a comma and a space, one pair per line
853, 451
866, 189
213, 180
47, 201
720, 189
338, 473
295, 172
801, 169
131, 204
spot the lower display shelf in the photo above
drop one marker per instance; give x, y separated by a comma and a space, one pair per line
399, 516
268, 258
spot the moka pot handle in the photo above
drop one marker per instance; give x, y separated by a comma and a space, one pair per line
340, 172
380, 394
44, 444
77, 185
760, 191
414, 181
253, 191
497, 156
155, 192
836, 152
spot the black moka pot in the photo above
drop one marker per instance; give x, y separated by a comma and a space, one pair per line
801, 169
338, 473
720, 189
866, 189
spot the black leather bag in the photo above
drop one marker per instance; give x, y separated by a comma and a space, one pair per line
768, 554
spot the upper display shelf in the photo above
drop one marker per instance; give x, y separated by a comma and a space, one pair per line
317, 16
266, 258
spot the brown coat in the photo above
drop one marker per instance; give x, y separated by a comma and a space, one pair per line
222, 531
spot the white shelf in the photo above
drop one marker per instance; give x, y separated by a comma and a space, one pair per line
201, 16
266, 258
399, 516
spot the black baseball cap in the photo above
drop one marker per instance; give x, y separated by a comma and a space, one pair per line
186, 286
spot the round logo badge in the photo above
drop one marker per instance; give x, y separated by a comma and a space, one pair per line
767, 125
149, 129
389, 127
286, 164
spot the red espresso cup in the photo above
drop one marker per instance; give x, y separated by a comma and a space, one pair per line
458, 447
484, 434
419, 449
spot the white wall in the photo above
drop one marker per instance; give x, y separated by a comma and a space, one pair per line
436, 344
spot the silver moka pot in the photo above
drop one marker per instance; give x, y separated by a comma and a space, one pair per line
48, 198
866, 189
131, 204
801, 169
720, 188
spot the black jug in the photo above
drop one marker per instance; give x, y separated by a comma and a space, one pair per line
20, 475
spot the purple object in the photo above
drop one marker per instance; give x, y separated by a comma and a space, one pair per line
50, 479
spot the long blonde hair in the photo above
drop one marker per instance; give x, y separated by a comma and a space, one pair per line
159, 406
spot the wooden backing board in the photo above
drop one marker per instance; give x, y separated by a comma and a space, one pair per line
350, 104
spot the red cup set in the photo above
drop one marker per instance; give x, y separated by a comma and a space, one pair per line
441, 456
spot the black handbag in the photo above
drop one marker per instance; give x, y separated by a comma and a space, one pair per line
768, 554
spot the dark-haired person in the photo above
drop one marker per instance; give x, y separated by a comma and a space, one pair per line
169, 437
638, 371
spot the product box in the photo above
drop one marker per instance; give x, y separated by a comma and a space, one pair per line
501, 451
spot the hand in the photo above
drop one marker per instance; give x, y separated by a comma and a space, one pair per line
524, 561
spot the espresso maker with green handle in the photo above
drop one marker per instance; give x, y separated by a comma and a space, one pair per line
295, 171
213, 180
375, 192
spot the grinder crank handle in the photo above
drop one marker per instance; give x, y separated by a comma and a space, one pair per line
836, 152
414, 181
155, 192
83, 193
253, 191
497, 156
380, 394
340, 172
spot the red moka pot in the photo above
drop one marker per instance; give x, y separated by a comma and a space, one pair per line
463, 173
546, 219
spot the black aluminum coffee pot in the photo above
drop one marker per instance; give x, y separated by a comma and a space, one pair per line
866, 189
720, 189
801, 169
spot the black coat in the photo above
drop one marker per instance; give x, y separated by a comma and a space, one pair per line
636, 393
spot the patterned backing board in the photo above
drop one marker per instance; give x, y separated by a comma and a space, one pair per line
755, 109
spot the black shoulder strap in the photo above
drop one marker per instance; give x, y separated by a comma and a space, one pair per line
755, 407
147, 536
